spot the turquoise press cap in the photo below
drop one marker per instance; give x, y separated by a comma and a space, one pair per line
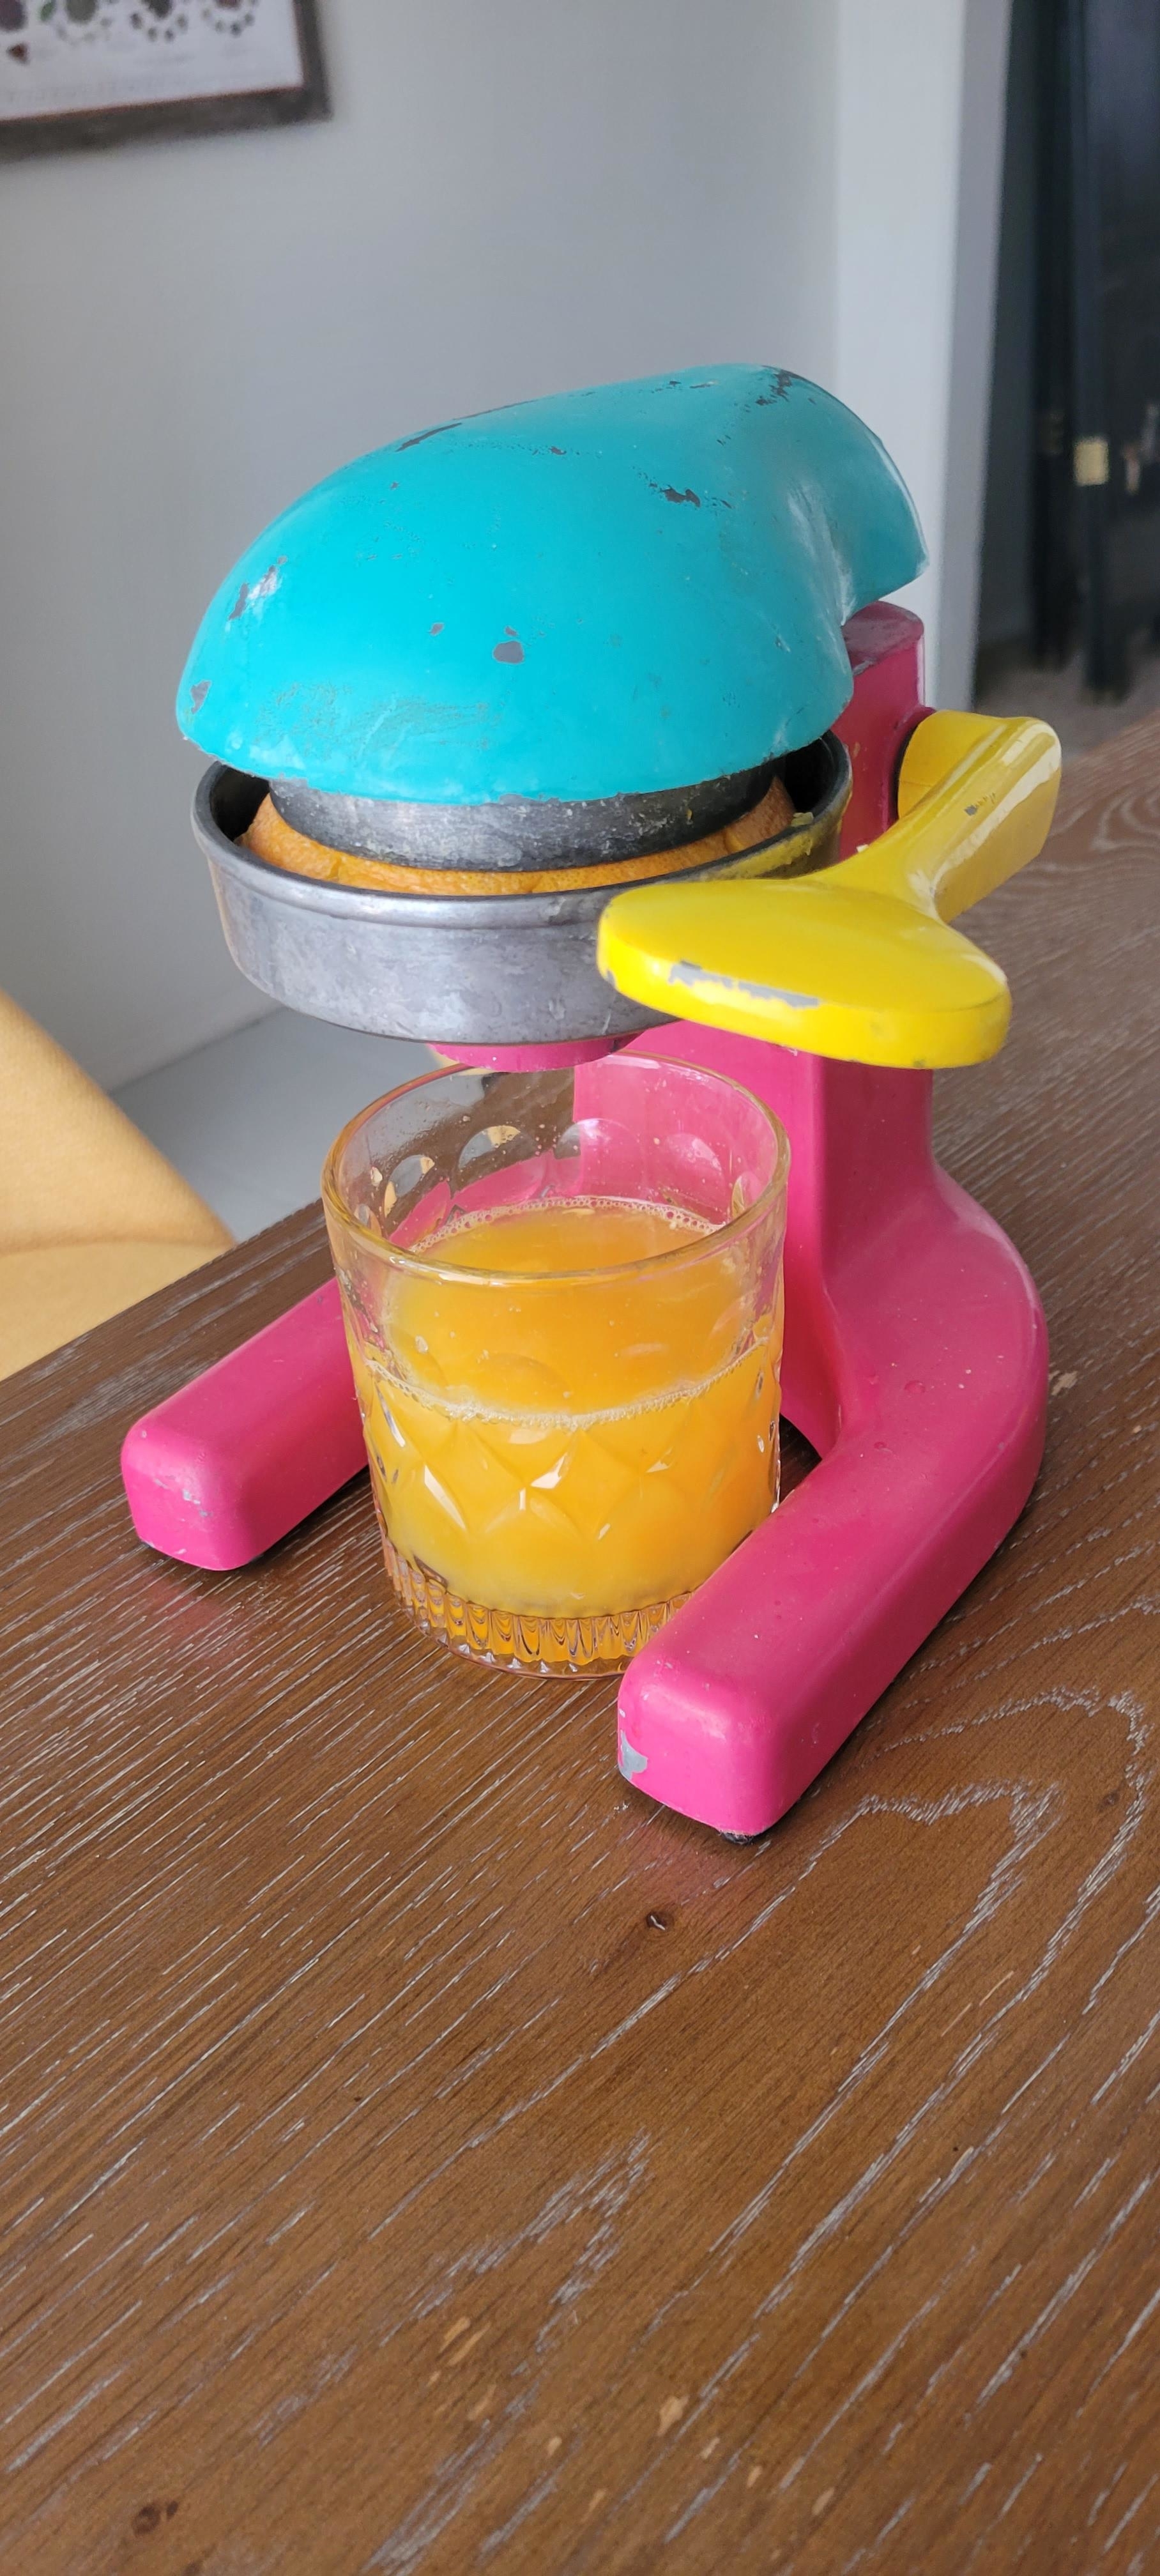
636, 587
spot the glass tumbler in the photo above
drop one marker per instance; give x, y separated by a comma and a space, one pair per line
562, 1294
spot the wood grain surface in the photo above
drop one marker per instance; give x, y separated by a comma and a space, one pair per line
419, 2153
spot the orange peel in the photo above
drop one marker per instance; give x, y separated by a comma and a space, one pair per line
273, 839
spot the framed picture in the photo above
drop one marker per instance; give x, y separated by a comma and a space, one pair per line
93, 72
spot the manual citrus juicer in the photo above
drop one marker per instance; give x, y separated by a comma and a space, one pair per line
537, 736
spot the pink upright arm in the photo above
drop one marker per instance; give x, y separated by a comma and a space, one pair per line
232, 1461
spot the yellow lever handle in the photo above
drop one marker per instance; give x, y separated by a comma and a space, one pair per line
858, 961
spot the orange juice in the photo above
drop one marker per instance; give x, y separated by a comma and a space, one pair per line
566, 1432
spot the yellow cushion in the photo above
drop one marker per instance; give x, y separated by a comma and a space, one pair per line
49, 1295
92, 1217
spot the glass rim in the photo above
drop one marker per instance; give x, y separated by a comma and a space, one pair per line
422, 1264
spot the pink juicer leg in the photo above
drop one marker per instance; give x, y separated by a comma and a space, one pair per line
222, 1469
916, 1363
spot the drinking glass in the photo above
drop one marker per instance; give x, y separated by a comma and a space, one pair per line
563, 1299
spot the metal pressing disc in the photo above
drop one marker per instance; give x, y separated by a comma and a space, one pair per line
519, 831
514, 970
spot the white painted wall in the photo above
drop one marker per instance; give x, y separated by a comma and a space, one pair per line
1006, 613
920, 93
510, 198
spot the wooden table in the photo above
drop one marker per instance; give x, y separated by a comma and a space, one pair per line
419, 2153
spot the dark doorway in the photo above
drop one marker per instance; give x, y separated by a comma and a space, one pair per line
1071, 543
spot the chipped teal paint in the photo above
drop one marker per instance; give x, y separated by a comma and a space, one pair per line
635, 587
